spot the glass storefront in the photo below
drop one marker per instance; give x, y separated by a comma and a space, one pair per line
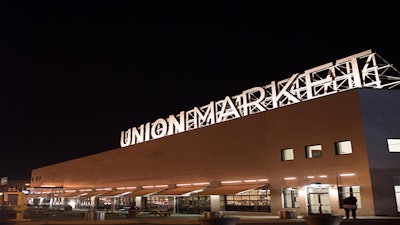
193, 204
255, 200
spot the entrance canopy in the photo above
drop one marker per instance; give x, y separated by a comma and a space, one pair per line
145, 191
229, 189
39, 195
94, 193
71, 194
181, 190
116, 193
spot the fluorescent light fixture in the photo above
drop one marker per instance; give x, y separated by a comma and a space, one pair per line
203, 183
347, 174
148, 187
249, 181
231, 182
47, 186
125, 188
183, 185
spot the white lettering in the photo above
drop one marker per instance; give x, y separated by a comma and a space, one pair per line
159, 128
204, 115
138, 136
248, 102
175, 126
147, 132
125, 138
317, 82
228, 110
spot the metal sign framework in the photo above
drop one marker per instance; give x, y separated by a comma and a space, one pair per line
363, 70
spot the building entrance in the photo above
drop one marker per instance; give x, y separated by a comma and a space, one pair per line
318, 199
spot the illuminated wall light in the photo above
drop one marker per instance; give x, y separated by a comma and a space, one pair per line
231, 182
85, 190
323, 176
183, 185
249, 181
289, 178
203, 183
148, 187
125, 188
347, 174
262, 180
163, 185
103, 189
70, 191
310, 177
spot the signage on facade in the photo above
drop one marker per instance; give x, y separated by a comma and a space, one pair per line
359, 70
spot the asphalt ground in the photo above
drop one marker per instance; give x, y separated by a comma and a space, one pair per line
181, 219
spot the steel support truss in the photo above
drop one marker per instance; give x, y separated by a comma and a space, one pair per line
363, 70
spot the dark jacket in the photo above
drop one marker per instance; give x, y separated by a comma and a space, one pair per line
350, 202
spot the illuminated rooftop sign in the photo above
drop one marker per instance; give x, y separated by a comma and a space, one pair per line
363, 70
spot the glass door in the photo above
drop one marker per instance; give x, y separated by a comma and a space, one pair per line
318, 199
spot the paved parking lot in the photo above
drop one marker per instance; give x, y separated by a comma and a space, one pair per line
76, 218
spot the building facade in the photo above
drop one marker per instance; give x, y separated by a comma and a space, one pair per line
303, 143
11, 189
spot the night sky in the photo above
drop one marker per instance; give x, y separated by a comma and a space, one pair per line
77, 73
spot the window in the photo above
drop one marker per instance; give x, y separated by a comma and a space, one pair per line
314, 151
290, 198
157, 202
343, 147
397, 194
393, 145
257, 200
287, 154
193, 204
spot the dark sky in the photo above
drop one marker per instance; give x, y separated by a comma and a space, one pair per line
77, 73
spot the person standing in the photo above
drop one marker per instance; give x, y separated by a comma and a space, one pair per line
350, 204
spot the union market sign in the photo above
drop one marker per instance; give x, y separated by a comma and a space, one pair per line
365, 69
